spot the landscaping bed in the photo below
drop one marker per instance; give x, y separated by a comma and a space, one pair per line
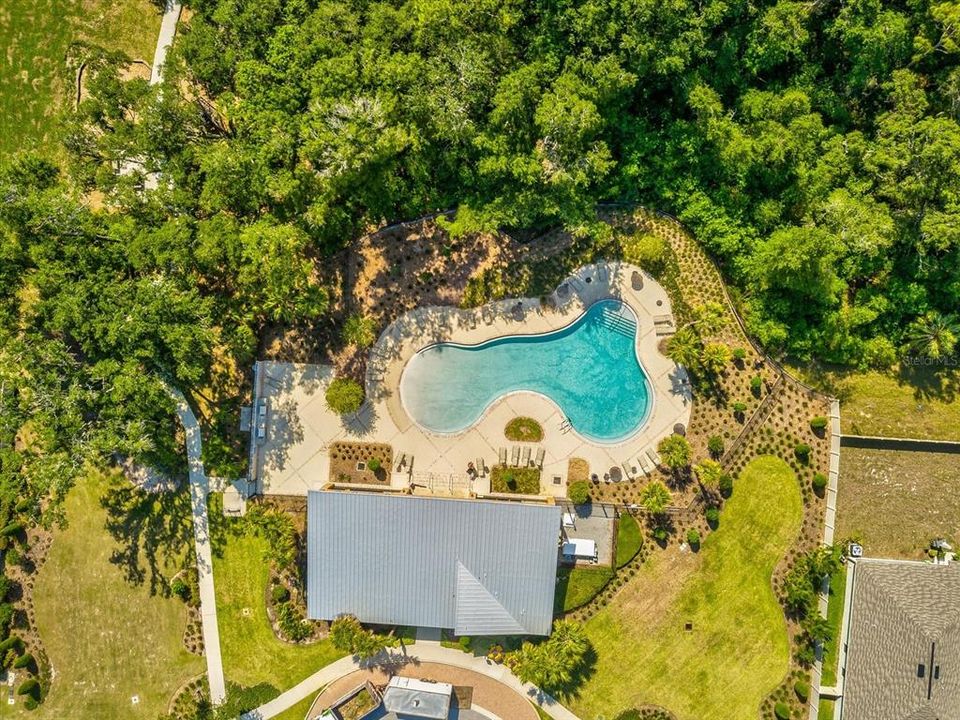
346, 458
516, 480
523, 429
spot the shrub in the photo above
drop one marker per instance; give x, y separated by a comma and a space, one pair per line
715, 445
739, 407
819, 483
739, 354
348, 635
359, 330
655, 498
660, 534
280, 594
646, 250
464, 643
782, 711
802, 690
179, 588
291, 622
579, 492
344, 396
713, 517
726, 485
374, 464
756, 382
31, 703
802, 451
6, 618
11, 643
25, 660
693, 538
818, 423
11, 529
6, 585
29, 687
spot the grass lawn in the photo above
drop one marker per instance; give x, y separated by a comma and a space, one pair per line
825, 711
298, 711
737, 650
523, 481
577, 586
838, 584
36, 35
107, 639
895, 503
906, 402
252, 655
629, 539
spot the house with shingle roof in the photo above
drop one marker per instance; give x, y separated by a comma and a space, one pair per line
900, 651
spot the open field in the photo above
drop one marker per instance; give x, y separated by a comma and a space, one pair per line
908, 402
897, 502
108, 639
36, 35
737, 650
252, 655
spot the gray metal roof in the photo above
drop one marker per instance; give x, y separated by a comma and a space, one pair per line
903, 615
408, 697
477, 567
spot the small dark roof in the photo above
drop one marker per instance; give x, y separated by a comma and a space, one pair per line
478, 567
903, 642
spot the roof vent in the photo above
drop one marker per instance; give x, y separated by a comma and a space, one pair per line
921, 670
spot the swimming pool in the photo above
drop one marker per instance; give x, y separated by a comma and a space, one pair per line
589, 369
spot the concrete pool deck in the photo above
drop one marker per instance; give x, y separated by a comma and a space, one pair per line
293, 457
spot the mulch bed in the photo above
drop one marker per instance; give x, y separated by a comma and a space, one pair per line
344, 459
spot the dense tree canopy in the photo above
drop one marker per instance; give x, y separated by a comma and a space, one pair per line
813, 147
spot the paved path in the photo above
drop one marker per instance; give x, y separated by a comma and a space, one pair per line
199, 488
418, 652
168, 28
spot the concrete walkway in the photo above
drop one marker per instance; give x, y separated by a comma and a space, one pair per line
168, 29
421, 652
199, 488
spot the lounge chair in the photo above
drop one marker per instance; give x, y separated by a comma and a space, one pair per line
515, 456
645, 464
627, 472
479, 467
401, 462
526, 457
653, 455
541, 454
503, 456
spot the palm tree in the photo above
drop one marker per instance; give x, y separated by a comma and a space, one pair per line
675, 451
715, 357
933, 334
684, 348
655, 498
709, 473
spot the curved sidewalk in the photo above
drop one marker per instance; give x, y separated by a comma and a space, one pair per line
199, 488
417, 652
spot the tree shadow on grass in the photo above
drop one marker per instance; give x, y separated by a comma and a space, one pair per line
930, 383
153, 532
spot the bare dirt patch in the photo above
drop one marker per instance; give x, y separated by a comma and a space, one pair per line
897, 502
350, 463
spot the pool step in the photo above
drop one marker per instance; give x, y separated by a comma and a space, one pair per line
616, 322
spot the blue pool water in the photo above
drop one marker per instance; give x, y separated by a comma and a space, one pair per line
589, 369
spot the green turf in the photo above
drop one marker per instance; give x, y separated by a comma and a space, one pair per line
298, 711
629, 539
36, 37
577, 586
825, 710
737, 651
251, 653
108, 639
835, 617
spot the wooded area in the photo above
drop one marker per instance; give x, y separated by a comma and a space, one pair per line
812, 147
